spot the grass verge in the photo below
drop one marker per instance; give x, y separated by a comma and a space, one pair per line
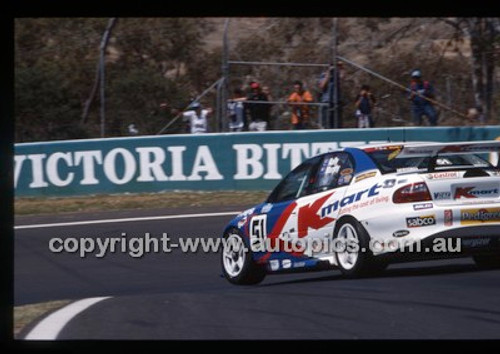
25, 314
32, 206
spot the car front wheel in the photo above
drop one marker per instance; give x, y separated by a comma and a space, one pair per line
238, 265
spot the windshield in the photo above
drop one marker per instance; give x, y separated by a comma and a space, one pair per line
387, 162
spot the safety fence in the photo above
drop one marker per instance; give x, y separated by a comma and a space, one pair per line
222, 161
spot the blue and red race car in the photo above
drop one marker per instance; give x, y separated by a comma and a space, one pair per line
359, 209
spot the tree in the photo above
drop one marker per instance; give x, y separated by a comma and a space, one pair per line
171, 60
55, 65
45, 107
484, 37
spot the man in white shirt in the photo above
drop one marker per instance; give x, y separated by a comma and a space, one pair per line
197, 118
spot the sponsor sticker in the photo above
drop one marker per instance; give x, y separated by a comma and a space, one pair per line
242, 222
443, 175
266, 208
365, 176
383, 148
400, 233
479, 216
419, 151
274, 264
351, 199
456, 148
393, 154
344, 179
286, 263
421, 221
388, 183
448, 217
407, 169
346, 171
441, 195
476, 242
474, 192
247, 212
422, 206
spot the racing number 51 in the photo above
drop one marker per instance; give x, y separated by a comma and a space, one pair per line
258, 232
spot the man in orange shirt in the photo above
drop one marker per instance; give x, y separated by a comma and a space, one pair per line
300, 112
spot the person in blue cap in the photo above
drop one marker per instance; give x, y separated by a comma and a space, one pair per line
419, 91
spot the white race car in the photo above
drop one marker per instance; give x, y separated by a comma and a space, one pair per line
360, 209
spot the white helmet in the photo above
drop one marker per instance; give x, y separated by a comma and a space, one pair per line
416, 73
195, 105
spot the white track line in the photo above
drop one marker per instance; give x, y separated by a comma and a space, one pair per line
109, 221
50, 327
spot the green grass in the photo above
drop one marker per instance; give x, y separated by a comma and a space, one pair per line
24, 315
32, 206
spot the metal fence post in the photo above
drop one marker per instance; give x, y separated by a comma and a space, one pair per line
102, 65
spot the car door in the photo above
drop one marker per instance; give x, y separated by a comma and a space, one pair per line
319, 207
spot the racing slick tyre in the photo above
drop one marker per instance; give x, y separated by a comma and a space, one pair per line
489, 261
354, 257
238, 266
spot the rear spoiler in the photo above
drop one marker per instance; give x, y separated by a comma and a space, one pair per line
442, 149
435, 149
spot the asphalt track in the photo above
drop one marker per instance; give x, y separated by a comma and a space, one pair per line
182, 296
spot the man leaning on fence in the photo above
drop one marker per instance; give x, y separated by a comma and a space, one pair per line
236, 111
300, 112
258, 112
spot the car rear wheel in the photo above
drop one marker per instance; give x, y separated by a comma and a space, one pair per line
354, 257
490, 261
238, 265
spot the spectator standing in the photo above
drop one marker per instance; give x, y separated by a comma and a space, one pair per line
132, 129
197, 118
300, 112
365, 102
258, 112
327, 90
419, 90
268, 116
236, 111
